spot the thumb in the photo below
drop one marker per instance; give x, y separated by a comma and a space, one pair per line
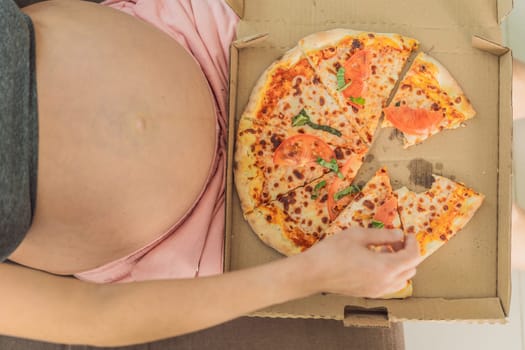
382, 236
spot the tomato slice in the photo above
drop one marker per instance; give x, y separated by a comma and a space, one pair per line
413, 121
386, 213
349, 170
300, 150
357, 70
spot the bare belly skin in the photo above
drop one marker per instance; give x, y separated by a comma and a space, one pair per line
126, 136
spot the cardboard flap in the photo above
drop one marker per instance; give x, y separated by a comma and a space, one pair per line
250, 40
504, 8
237, 6
505, 182
366, 318
488, 46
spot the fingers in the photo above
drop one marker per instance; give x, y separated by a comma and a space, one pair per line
407, 274
381, 236
410, 255
403, 260
384, 241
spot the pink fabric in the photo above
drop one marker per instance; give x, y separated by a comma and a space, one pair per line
193, 246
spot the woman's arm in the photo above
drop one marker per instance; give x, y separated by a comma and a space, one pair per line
41, 306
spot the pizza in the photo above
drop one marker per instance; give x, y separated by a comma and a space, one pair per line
294, 221
375, 206
291, 123
428, 100
311, 120
437, 214
359, 69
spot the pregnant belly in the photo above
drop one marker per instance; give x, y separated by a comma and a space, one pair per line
127, 136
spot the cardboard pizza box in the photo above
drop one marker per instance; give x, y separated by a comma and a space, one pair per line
468, 278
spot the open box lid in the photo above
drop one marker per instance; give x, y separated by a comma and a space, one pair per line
465, 37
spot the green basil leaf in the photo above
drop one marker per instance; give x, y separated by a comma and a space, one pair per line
317, 188
301, 119
358, 100
340, 78
377, 224
332, 165
326, 128
341, 88
346, 191
304, 119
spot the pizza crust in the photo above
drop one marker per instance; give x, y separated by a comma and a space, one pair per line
451, 87
249, 179
289, 59
272, 233
321, 40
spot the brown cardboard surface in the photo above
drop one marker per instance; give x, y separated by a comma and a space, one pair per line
469, 278
504, 8
237, 6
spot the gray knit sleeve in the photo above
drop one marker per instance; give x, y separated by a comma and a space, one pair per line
18, 127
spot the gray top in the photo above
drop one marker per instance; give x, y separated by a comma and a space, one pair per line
18, 127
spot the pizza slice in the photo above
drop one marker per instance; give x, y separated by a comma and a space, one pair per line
360, 70
291, 133
428, 100
375, 206
296, 220
437, 214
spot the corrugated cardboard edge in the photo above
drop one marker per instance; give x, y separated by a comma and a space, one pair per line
250, 40
505, 182
232, 88
373, 314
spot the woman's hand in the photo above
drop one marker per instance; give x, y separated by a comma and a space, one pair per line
344, 263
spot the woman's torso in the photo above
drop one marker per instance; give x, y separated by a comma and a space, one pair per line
126, 136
